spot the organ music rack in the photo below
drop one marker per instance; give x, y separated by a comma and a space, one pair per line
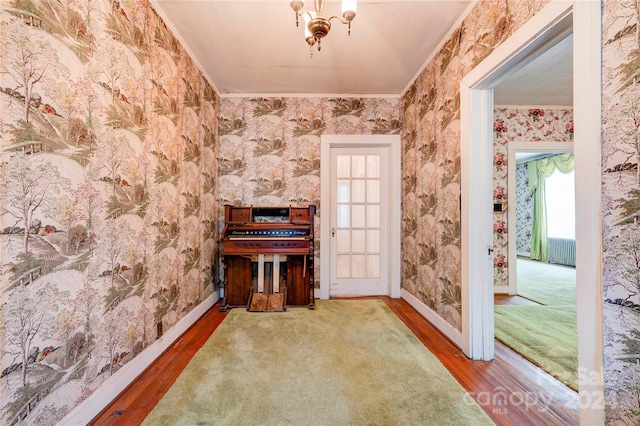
270, 250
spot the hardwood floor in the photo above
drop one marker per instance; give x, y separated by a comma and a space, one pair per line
505, 299
510, 389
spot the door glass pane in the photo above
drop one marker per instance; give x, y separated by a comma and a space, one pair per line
358, 266
343, 191
343, 166
373, 241
358, 240
358, 220
373, 215
343, 215
342, 266
343, 241
373, 191
373, 266
358, 165
358, 191
373, 166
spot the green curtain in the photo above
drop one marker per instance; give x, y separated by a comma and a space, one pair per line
538, 171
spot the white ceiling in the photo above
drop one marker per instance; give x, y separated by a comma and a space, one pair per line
545, 81
254, 48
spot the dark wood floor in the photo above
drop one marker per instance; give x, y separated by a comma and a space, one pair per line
511, 390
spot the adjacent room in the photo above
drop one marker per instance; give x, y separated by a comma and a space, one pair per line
535, 311
539, 322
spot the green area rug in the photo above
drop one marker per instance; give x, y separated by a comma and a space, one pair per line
547, 284
349, 362
546, 334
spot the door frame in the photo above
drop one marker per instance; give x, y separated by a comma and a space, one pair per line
476, 95
512, 237
392, 142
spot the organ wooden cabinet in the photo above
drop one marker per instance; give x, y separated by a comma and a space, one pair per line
270, 250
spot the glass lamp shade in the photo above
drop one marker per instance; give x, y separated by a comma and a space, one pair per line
296, 4
307, 18
349, 6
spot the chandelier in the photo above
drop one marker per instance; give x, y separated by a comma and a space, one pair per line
316, 25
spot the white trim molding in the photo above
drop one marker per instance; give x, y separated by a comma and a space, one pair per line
587, 117
434, 318
91, 407
476, 218
503, 289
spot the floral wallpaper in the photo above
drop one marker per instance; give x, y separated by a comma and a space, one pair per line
524, 209
270, 147
109, 181
519, 125
621, 207
431, 156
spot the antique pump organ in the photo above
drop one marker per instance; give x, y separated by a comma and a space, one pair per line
267, 254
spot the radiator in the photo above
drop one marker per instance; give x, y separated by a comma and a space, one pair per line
562, 251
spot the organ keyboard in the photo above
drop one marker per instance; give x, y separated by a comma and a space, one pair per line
268, 250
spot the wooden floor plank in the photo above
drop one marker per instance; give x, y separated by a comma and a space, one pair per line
505, 299
134, 404
510, 389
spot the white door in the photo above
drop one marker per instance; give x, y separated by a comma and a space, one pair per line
359, 221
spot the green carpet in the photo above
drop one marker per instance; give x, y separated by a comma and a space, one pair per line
547, 284
546, 334
349, 362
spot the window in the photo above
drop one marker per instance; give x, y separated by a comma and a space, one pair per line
560, 199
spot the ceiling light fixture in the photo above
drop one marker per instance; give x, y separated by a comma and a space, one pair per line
317, 26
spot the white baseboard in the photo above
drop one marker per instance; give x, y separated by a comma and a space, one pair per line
501, 289
88, 409
438, 322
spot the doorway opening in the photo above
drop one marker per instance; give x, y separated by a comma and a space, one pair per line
533, 259
352, 187
535, 314
476, 99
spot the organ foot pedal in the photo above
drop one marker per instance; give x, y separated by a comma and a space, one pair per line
259, 301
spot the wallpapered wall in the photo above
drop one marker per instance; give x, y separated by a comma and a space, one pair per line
431, 173
270, 147
519, 125
524, 210
621, 204
431, 156
109, 176
115, 133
